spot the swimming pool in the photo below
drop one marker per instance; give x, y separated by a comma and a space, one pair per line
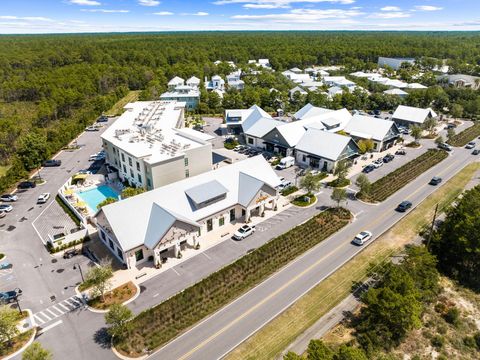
95, 196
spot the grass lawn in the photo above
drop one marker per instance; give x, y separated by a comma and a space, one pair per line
338, 183
271, 340
4, 169
2, 255
17, 343
117, 296
300, 200
117, 109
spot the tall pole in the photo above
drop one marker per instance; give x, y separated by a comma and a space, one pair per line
431, 227
79, 269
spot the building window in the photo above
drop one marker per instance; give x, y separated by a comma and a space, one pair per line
199, 233
244, 212
186, 161
110, 242
130, 161
187, 173
138, 166
232, 215
221, 221
304, 158
139, 255
124, 169
102, 235
149, 183
119, 253
131, 174
123, 157
250, 141
209, 225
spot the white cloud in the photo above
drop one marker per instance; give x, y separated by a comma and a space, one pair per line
389, 15
303, 15
85, 2
277, 4
163, 13
148, 2
427, 8
199, 13
106, 11
26, 18
390, 8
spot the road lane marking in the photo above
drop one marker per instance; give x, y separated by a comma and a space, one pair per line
45, 315
51, 312
38, 320
49, 327
208, 257
57, 309
65, 307
226, 327
175, 271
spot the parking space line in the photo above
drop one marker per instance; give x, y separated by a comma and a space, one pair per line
51, 312
57, 309
38, 320
45, 315
65, 307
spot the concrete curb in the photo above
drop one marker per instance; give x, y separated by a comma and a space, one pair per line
308, 206
27, 344
98, 311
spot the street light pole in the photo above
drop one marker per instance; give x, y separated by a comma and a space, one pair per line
18, 291
79, 269
432, 227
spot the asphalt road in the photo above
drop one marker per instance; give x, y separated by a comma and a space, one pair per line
216, 336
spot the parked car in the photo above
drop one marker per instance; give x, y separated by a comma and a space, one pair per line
243, 232
70, 253
3, 214
450, 126
377, 163
404, 206
286, 162
26, 185
102, 118
52, 163
6, 207
284, 184
98, 156
8, 197
376, 112
476, 152
5, 265
400, 152
362, 238
368, 168
92, 128
7, 297
43, 198
470, 145
445, 146
387, 158
435, 180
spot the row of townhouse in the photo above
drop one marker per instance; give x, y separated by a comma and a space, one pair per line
319, 138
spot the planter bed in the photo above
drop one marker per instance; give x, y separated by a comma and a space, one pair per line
17, 343
465, 136
394, 181
119, 295
158, 325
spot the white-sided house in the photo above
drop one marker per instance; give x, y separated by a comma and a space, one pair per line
257, 130
297, 90
236, 118
216, 83
153, 226
234, 80
382, 132
193, 81
308, 111
322, 150
408, 115
396, 92
394, 63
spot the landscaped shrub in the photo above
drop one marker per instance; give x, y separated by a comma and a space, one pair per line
394, 181
161, 323
465, 136
289, 190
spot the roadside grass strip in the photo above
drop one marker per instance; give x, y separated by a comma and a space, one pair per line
465, 136
269, 342
156, 326
117, 109
397, 179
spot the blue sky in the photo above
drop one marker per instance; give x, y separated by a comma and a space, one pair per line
53, 16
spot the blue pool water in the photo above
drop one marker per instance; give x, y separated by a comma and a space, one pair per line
95, 196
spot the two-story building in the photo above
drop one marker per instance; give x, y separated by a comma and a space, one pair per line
179, 91
158, 224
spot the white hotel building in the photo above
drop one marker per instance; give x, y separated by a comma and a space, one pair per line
150, 147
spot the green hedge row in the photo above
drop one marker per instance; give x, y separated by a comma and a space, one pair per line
465, 136
154, 327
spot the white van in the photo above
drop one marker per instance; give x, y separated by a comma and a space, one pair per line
286, 162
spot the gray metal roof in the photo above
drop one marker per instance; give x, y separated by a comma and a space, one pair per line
248, 187
367, 127
206, 191
323, 144
262, 126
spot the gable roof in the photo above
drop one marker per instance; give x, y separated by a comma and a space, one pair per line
412, 114
206, 191
323, 144
248, 187
176, 80
136, 220
395, 91
310, 110
368, 127
262, 126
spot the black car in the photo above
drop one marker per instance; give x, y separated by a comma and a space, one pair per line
27, 185
70, 253
451, 126
387, 158
376, 112
400, 152
435, 180
476, 152
404, 206
51, 163
368, 168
